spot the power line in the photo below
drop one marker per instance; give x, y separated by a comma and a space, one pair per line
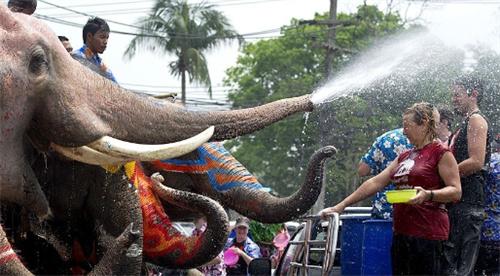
74, 24
173, 87
213, 3
86, 14
128, 25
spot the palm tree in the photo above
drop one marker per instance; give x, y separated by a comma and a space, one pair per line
186, 30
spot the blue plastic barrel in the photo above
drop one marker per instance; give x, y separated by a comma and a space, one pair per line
351, 240
377, 240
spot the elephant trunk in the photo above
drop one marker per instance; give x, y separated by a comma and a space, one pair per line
214, 237
264, 207
87, 111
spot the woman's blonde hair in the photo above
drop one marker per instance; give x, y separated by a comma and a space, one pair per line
425, 112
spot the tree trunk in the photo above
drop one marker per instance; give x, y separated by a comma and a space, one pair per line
183, 87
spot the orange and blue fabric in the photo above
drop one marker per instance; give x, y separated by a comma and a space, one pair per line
160, 237
223, 170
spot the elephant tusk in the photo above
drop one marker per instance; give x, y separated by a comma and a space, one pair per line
132, 151
87, 155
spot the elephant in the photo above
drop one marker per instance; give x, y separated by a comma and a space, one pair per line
65, 107
159, 248
85, 198
212, 171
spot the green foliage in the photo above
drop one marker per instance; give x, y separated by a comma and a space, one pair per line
263, 232
488, 69
293, 64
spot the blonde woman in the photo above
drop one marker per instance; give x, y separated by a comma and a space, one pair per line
421, 225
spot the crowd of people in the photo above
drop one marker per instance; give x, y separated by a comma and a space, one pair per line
452, 225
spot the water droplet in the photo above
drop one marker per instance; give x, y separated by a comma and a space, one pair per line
134, 251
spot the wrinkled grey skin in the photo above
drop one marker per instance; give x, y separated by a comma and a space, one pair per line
256, 204
90, 205
88, 202
44, 91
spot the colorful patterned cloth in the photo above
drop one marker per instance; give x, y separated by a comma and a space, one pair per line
160, 237
223, 170
86, 53
383, 151
491, 226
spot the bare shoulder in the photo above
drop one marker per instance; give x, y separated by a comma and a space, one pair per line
477, 121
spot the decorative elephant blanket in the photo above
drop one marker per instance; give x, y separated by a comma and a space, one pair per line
223, 170
160, 237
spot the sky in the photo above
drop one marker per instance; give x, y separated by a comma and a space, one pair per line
150, 72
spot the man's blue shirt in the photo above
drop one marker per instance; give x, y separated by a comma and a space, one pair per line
384, 150
86, 53
491, 226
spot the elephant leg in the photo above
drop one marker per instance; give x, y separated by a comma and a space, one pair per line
126, 242
9, 261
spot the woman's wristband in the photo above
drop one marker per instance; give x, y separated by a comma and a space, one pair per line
431, 196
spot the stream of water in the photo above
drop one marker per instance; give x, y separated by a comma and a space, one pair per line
449, 25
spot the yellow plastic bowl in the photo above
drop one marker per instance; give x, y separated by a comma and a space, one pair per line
400, 196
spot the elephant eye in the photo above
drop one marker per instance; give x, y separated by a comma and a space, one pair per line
38, 61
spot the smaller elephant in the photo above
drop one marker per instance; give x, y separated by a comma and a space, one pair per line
212, 171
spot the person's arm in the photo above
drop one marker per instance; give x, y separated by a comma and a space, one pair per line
477, 132
448, 170
242, 254
254, 252
363, 169
367, 189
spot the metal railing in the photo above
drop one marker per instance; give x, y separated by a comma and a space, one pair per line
329, 245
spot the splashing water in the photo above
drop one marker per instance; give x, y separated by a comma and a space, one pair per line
134, 251
460, 26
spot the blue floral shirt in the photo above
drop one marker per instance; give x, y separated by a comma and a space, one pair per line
86, 53
491, 226
383, 151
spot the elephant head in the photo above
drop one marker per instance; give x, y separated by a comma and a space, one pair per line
62, 104
211, 170
65, 104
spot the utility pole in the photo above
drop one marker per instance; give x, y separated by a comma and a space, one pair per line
324, 115
330, 40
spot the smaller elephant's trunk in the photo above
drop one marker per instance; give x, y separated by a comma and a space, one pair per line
214, 237
264, 207
163, 244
